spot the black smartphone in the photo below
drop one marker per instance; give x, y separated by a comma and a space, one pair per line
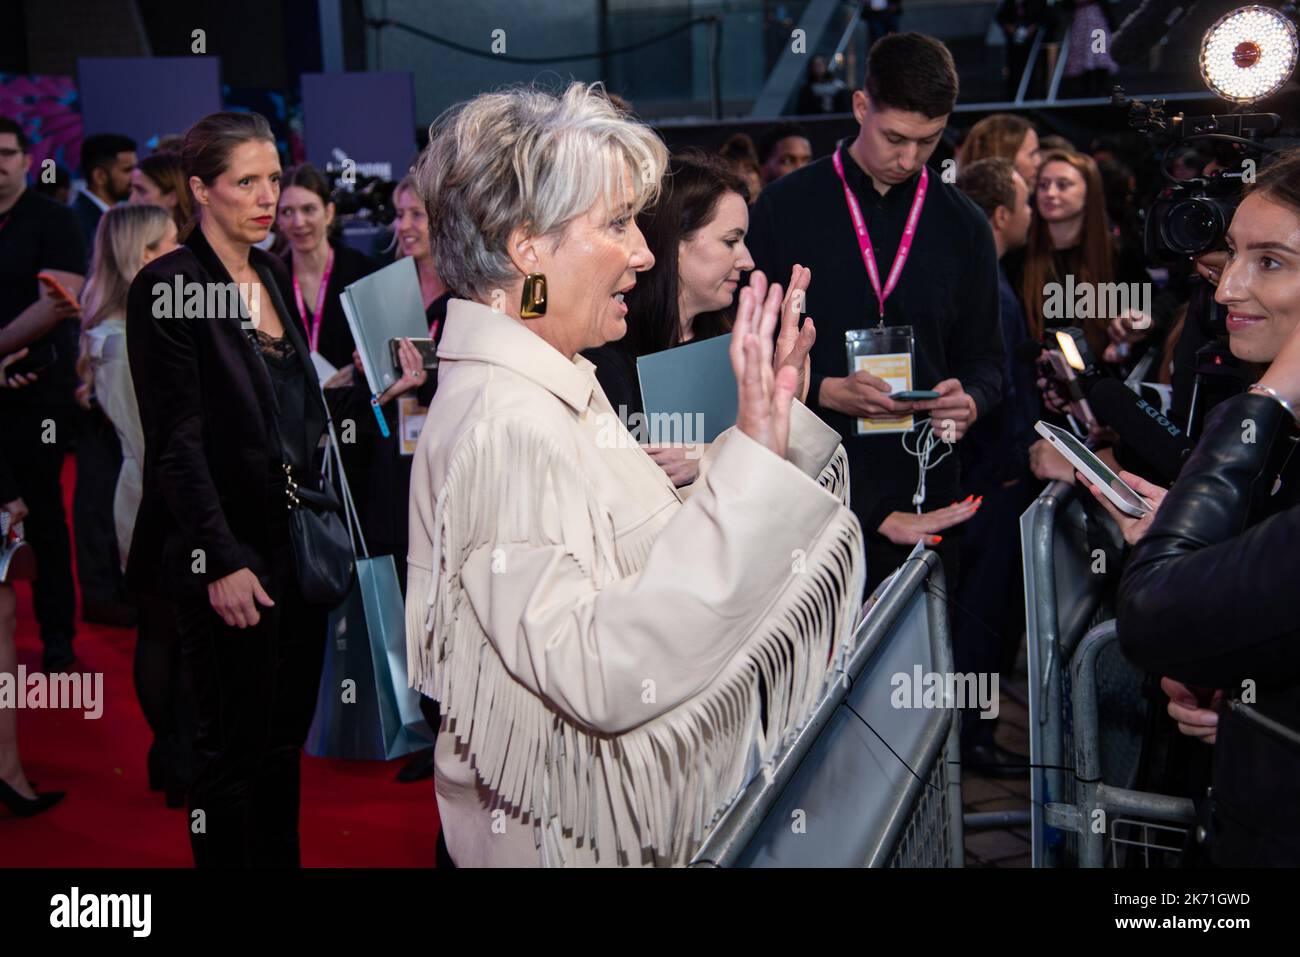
427, 348
38, 359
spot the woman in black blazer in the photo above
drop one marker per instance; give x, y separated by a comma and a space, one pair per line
224, 405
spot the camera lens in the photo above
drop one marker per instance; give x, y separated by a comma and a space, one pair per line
1193, 226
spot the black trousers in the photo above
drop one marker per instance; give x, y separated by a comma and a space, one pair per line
255, 693
99, 460
989, 612
37, 466
166, 693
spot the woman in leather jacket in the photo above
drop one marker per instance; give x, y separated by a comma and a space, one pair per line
1208, 597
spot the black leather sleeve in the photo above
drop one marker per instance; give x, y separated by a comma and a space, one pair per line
1207, 598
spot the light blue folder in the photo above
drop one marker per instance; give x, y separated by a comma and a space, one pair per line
384, 305
693, 382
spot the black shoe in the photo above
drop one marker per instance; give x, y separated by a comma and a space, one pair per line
994, 761
28, 807
119, 614
417, 768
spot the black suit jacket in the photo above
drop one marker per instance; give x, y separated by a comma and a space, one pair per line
88, 215
206, 402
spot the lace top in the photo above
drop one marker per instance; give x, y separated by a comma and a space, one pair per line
277, 350
290, 385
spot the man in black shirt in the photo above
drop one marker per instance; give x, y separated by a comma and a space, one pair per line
39, 235
947, 291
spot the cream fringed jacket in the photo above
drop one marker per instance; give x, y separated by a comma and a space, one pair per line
596, 637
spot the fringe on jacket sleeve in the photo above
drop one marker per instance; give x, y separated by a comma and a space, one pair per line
670, 776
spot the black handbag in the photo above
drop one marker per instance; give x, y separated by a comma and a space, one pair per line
323, 553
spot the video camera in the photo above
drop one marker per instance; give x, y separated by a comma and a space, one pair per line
1191, 217
361, 197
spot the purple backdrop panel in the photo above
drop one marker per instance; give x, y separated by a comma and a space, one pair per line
46, 106
147, 97
365, 117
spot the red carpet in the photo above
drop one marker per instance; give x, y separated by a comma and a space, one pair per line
353, 813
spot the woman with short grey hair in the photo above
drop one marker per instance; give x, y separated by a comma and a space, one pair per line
615, 657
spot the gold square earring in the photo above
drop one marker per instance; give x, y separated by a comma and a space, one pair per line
533, 304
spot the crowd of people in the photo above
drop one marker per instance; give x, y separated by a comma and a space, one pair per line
550, 579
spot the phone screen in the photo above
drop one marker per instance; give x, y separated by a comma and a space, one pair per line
1117, 484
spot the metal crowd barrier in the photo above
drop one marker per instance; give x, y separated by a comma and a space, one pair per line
864, 783
1151, 826
1063, 598
1082, 762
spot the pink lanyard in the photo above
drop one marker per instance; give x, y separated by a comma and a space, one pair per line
314, 332
864, 238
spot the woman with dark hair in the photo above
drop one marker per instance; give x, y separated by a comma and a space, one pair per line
159, 180
1208, 598
233, 416
696, 232
320, 265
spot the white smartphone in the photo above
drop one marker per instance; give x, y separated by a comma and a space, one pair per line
1120, 493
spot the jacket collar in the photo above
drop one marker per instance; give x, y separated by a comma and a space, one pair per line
211, 263
862, 185
475, 331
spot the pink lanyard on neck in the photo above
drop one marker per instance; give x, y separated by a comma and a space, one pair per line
864, 238
313, 334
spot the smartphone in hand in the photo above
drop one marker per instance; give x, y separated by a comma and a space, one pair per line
56, 289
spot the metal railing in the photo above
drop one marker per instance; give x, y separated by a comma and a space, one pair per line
1063, 598
1103, 814
1081, 763
863, 783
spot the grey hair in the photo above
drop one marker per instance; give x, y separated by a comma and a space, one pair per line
526, 157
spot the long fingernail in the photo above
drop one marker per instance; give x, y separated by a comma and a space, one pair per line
935, 540
968, 498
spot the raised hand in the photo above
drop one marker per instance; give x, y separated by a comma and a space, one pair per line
793, 342
764, 392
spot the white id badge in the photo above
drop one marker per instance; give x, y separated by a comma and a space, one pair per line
886, 353
410, 420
